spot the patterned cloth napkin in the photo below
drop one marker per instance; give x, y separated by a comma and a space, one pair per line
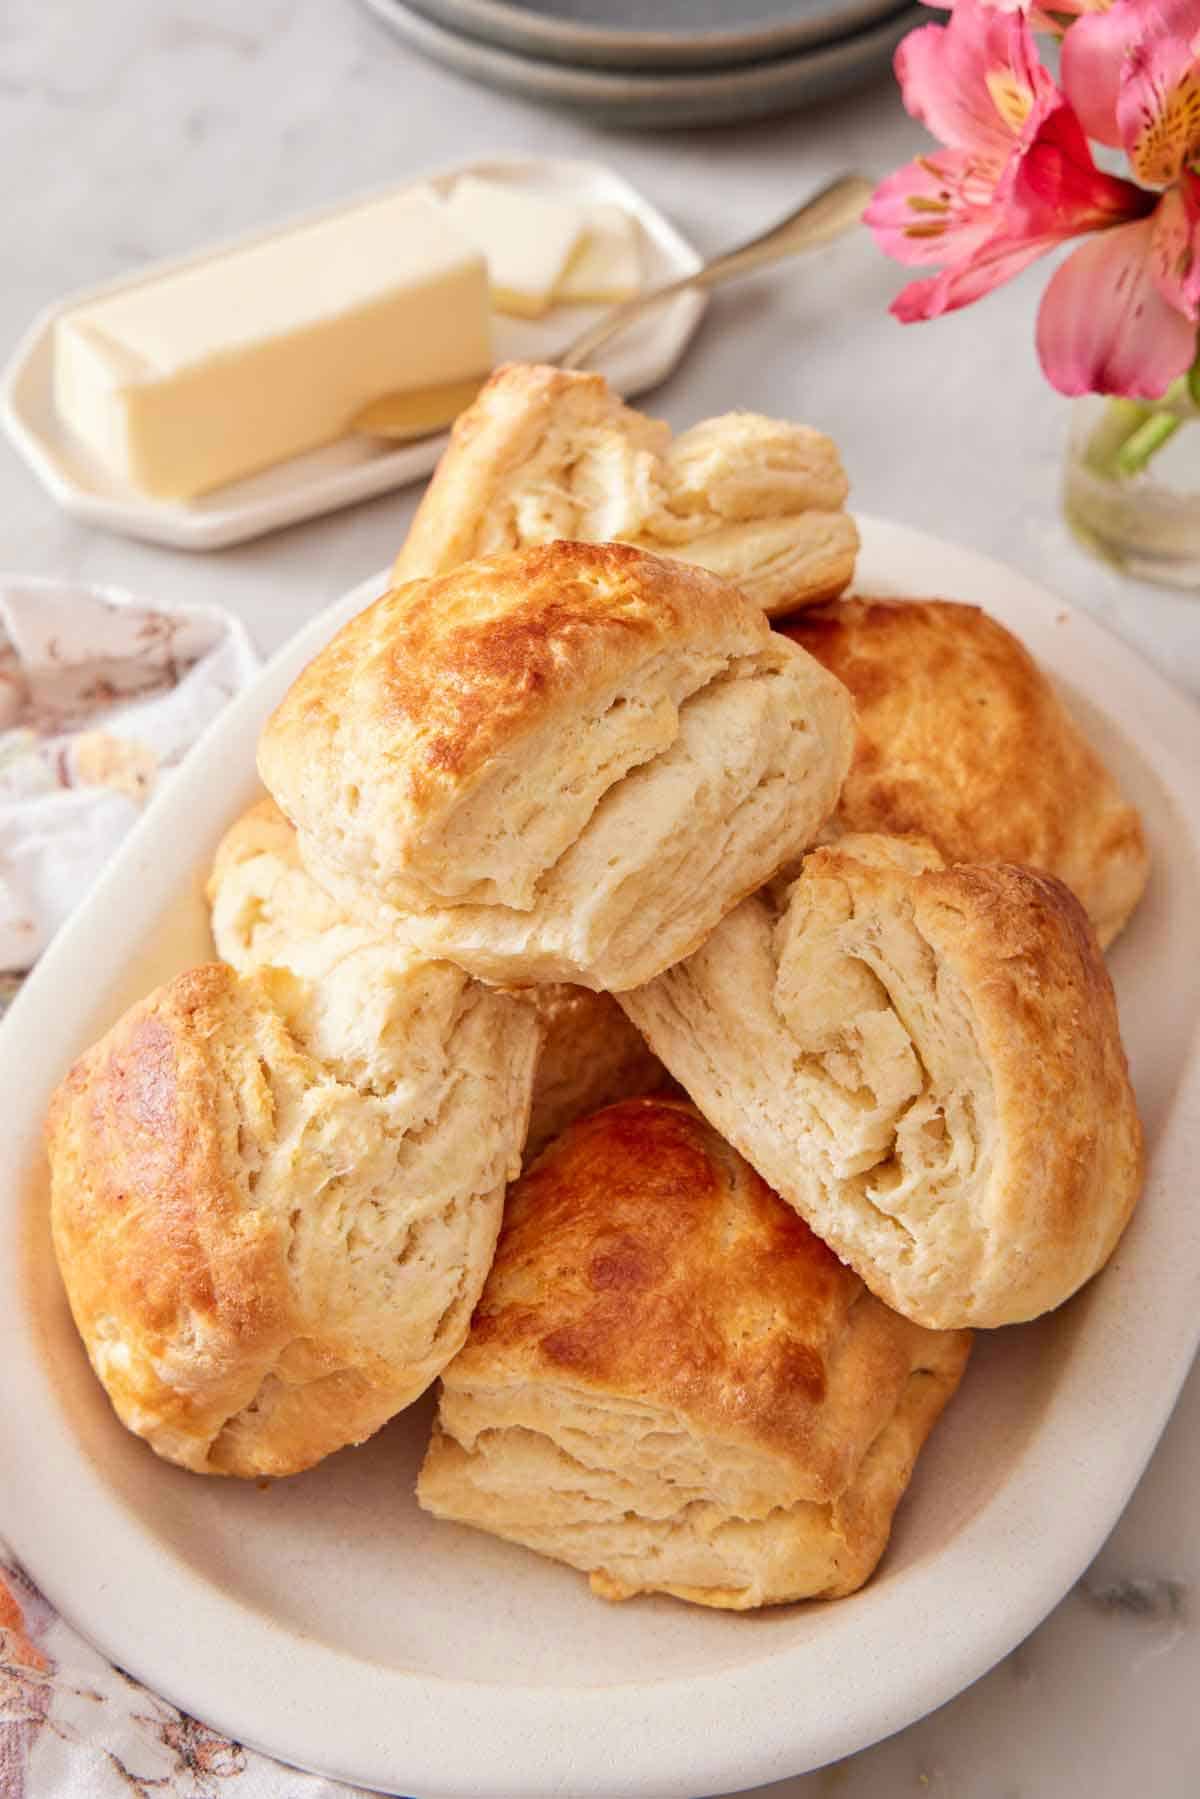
100, 695
72, 1727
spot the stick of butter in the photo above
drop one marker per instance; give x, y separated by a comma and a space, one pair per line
607, 266
190, 380
527, 238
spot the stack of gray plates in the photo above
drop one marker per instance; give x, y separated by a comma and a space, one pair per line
659, 63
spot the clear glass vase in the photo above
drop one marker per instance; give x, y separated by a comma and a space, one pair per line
1131, 490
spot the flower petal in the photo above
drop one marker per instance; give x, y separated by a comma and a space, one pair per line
975, 82
1103, 326
1055, 187
1176, 246
967, 281
937, 209
1093, 57
941, 210
1158, 106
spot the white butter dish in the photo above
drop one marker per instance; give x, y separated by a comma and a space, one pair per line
354, 468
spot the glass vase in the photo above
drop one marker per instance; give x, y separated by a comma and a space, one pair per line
1131, 490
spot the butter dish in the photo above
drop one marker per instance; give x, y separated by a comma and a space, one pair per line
351, 469
189, 382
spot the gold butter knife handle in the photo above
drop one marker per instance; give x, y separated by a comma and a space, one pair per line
827, 215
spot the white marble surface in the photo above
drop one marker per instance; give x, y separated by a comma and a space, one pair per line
139, 128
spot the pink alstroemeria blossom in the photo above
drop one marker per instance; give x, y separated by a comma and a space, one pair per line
1055, 189
989, 268
1103, 327
1093, 59
1158, 105
976, 82
1017, 177
1175, 246
938, 208
947, 208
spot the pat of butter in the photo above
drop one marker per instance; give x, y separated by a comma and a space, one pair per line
607, 266
190, 380
527, 238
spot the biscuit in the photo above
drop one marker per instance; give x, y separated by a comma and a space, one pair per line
274, 1203
267, 910
924, 1061
591, 1056
562, 764
671, 1384
963, 740
547, 453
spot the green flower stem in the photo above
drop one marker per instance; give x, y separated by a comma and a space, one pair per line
1119, 422
1145, 441
1131, 432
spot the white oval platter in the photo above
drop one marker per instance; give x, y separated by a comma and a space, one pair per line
328, 1621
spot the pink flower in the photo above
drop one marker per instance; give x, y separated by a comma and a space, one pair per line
1093, 56
1047, 192
1104, 327
978, 86
1175, 245
1158, 101
1017, 177
975, 83
1056, 189
1126, 59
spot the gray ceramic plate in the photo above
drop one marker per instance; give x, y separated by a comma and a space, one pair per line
654, 34
661, 101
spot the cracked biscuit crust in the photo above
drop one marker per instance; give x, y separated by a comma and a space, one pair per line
269, 1251
562, 764
267, 910
963, 740
924, 1061
671, 1384
547, 453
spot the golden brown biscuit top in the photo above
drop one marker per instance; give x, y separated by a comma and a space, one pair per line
1046, 1013
642, 1257
267, 1256
447, 673
962, 739
166, 1122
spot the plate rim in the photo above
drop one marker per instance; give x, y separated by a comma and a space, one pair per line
561, 1739
514, 27
175, 524
558, 83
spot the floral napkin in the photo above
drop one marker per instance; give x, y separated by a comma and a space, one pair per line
100, 696
72, 1727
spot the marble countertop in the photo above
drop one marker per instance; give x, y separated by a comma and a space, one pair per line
138, 130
